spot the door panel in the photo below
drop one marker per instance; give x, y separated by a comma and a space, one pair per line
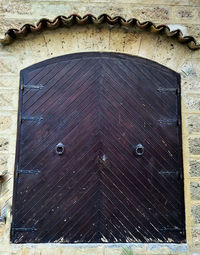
100, 106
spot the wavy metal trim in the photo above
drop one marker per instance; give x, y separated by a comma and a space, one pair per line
63, 21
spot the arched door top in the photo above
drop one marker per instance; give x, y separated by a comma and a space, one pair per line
99, 55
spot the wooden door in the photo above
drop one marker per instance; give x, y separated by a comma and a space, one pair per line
99, 155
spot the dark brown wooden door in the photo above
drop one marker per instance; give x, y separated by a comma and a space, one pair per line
118, 177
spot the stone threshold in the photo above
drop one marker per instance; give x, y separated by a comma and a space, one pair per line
162, 248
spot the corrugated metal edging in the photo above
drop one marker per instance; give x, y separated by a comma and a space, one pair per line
63, 21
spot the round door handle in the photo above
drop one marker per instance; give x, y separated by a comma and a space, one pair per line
60, 148
139, 149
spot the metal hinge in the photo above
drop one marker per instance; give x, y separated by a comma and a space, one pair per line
177, 90
36, 118
171, 229
178, 174
170, 121
14, 229
31, 86
169, 173
36, 171
181, 230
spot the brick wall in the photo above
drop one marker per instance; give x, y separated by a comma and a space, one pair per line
184, 14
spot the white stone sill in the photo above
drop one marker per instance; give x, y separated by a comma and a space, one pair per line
174, 248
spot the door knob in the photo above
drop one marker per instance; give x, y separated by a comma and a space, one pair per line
60, 148
139, 149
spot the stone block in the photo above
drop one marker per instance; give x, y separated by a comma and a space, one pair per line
192, 102
193, 123
190, 85
5, 122
52, 251
97, 250
8, 64
167, 249
182, 14
9, 82
190, 68
28, 251
113, 251
131, 41
153, 13
8, 101
5, 253
194, 2
188, 14
5, 99
136, 249
195, 190
166, 50
21, 7
194, 145
147, 45
194, 168
123, 41
196, 238
196, 214
8, 122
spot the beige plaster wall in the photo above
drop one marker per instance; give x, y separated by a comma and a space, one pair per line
35, 48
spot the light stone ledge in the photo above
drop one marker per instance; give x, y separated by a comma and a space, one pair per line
100, 249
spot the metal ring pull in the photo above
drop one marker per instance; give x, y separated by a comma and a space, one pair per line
60, 148
139, 149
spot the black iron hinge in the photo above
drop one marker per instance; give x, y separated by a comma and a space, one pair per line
24, 171
169, 173
15, 229
23, 229
177, 174
163, 90
170, 122
34, 118
180, 230
31, 86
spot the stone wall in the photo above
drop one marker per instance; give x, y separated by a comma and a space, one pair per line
184, 14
